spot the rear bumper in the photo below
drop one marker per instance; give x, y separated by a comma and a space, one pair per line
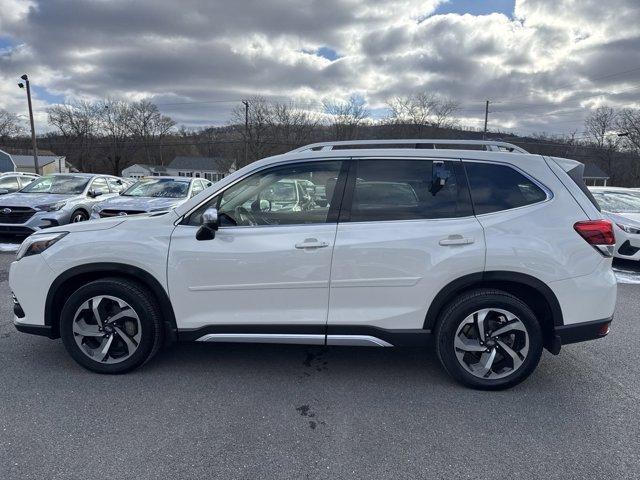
579, 332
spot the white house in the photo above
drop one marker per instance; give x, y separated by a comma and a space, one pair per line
211, 168
140, 170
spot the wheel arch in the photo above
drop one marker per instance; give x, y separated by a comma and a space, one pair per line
535, 293
70, 280
80, 208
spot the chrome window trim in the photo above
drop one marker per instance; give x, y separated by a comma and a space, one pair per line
545, 189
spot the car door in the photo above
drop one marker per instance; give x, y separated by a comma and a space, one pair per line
268, 267
406, 230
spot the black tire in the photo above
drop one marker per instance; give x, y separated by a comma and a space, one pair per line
139, 299
79, 216
466, 304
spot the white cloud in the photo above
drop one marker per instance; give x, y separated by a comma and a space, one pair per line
550, 56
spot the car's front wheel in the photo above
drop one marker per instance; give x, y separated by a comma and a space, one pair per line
489, 339
111, 325
79, 216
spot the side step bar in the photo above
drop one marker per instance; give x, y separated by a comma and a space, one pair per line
295, 338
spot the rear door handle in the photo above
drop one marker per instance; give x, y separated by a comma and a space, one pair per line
456, 240
311, 243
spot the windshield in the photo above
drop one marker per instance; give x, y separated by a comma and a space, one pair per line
58, 184
618, 202
158, 188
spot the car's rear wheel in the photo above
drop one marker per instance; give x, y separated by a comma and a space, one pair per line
111, 326
79, 216
489, 339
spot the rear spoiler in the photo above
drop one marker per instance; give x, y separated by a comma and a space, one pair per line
575, 171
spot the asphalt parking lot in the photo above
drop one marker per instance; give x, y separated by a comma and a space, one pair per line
242, 411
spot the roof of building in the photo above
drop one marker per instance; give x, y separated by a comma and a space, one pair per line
593, 171
213, 164
151, 168
27, 160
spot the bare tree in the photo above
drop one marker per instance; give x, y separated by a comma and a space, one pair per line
347, 117
421, 111
256, 132
114, 117
599, 124
150, 127
78, 124
293, 126
628, 123
10, 125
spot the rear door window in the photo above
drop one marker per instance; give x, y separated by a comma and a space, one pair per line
9, 183
407, 190
116, 185
499, 187
100, 185
197, 188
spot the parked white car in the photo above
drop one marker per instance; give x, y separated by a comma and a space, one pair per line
496, 253
151, 194
622, 206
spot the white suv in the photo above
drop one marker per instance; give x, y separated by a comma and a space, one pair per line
494, 252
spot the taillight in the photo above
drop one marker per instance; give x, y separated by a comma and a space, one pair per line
598, 233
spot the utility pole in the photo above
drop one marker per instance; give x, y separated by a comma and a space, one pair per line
33, 130
486, 118
246, 130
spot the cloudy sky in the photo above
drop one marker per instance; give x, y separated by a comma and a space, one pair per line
542, 63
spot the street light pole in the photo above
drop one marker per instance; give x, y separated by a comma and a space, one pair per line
246, 130
33, 130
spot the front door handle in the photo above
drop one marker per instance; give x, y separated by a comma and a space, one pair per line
456, 240
311, 243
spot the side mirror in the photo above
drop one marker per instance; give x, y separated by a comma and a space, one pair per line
3, 191
207, 230
94, 193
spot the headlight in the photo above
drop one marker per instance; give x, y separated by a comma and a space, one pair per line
51, 207
629, 229
38, 243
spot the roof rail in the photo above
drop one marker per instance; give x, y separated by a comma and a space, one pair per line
490, 145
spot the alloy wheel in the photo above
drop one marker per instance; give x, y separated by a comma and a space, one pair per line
78, 217
491, 343
107, 329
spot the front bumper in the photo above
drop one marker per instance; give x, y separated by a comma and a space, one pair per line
30, 279
42, 330
38, 221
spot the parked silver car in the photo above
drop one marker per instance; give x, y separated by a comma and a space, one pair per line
151, 194
54, 200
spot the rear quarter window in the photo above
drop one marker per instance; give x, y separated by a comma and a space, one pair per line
500, 187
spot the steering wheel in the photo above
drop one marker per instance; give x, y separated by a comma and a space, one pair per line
245, 217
